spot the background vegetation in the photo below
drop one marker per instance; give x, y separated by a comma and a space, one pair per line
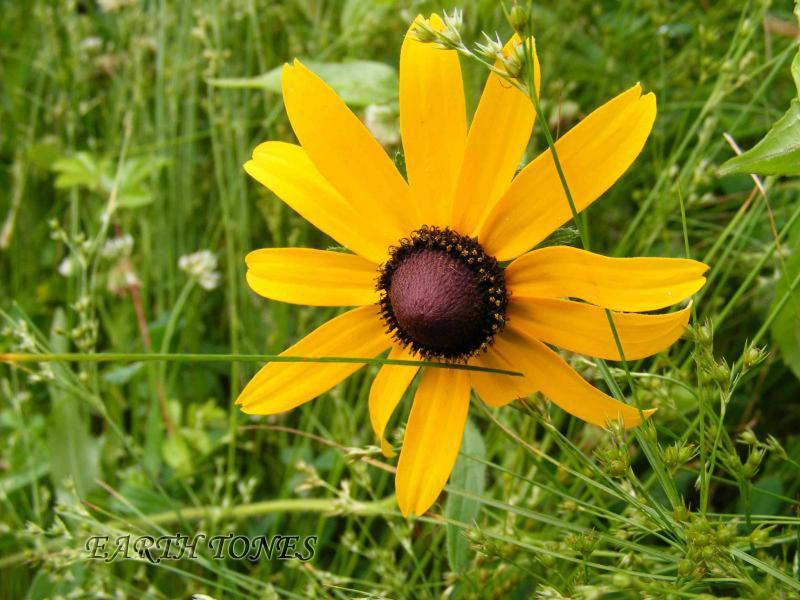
124, 128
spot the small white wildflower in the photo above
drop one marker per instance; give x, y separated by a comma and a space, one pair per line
117, 247
91, 43
566, 112
114, 5
25, 341
454, 20
424, 33
43, 374
383, 124
492, 49
201, 266
451, 36
121, 277
67, 267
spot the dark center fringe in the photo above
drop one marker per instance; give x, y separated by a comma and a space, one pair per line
488, 275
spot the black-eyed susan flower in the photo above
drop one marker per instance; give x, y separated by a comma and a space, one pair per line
426, 272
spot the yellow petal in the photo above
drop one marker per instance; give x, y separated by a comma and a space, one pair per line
562, 385
495, 389
288, 172
593, 155
342, 149
433, 124
433, 438
279, 386
496, 142
313, 277
386, 392
628, 284
584, 328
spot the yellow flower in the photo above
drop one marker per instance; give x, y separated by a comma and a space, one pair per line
434, 244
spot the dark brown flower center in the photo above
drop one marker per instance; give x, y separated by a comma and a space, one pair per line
442, 295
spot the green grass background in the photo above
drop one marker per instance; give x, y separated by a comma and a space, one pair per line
122, 95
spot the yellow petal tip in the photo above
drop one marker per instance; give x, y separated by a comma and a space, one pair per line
649, 98
637, 420
251, 408
248, 167
386, 449
403, 508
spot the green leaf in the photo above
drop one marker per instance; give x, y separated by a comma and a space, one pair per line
81, 170
359, 82
100, 175
122, 374
785, 327
45, 152
765, 504
778, 153
468, 475
133, 197
74, 453
177, 453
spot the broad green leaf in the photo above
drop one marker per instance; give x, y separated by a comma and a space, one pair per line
786, 325
19, 479
177, 453
359, 82
45, 152
100, 175
765, 504
81, 170
468, 475
778, 153
74, 453
122, 374
133, 197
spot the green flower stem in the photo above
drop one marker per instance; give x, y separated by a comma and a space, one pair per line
666, 483
288, 505
177, 308
346, 507
529, 88
203, 358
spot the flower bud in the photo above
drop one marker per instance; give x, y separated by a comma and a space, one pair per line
759, 537
701, 334
518, 19
726, 534
774, 446
451, 36
748, 437
685, 567
423, 32
491, 49
753, 462
753, 355
515, 61
677, 455
720, 372
622, 580
681, 514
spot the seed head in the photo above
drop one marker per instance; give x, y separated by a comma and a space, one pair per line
518, 19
